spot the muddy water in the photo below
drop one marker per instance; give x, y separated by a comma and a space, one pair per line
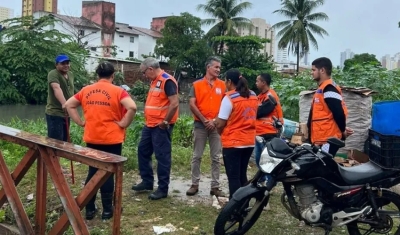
179, 185
33, 112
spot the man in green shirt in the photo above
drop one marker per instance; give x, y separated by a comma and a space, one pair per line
60, 83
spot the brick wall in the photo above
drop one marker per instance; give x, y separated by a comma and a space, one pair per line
131, 70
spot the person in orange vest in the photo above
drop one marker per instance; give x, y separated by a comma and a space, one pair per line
161, 113
266, 111
108, 111
236, 123
328, 110
205, 100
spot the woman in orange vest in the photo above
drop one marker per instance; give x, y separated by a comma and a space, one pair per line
108, 111
236, 123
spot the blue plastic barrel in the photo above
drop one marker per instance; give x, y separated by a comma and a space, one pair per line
386, 117
291, 127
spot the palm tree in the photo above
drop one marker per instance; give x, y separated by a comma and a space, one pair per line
225, 19
298, 31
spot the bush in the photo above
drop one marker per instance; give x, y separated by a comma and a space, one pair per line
383, 81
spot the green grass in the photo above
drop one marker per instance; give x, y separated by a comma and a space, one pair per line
139, 213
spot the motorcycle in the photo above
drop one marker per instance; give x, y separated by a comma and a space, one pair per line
316, 190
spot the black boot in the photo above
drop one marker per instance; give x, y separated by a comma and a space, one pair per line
107, 201
91, 208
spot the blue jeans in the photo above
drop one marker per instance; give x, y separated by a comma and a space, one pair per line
57, 127
158, 141
258, 148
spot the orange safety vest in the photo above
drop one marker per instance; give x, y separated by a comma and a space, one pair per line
208, 99
323, 126
265, 125
240, 129
157, 102
101, 105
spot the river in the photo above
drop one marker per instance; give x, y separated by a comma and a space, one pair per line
33, 112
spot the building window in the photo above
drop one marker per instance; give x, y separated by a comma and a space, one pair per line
81, 32
257, 34
132, 39
131, 54
93, 48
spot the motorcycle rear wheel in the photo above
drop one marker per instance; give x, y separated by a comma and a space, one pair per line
239, 211
386, 198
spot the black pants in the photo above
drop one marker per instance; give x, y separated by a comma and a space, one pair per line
57, 127
108, 186
236, 161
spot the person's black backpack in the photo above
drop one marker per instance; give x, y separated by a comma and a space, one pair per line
266, 107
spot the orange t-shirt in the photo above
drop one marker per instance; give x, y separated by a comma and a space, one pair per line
101, 104
208, 98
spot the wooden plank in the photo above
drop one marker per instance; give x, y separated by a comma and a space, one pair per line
20, 171
31, 140
64, 192
6, 229
82, 199
41, 193
118, 201
24, 225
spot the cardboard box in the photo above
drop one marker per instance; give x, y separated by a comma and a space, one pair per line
304, 130
358, 156
297, 139
354, 157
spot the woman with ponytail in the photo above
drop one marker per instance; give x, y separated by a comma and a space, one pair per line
236, 125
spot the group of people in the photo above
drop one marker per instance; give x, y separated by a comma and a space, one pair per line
226, 113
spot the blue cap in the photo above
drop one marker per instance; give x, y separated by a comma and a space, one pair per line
61, 58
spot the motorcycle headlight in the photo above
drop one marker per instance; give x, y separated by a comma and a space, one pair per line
268, 163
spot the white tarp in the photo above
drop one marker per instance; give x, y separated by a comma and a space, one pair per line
359, 105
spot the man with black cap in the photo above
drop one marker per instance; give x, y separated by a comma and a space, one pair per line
60, 83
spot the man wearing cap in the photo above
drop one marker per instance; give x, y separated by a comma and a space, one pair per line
60, 83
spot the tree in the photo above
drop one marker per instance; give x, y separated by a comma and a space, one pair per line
363, 58
183, 44
226, 18
298, 31
244, 54
27, 51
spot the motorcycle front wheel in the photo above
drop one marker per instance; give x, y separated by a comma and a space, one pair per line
238, 216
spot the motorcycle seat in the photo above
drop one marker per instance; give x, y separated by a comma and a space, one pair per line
361, 174
280, 148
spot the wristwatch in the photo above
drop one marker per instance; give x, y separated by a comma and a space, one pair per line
165, 122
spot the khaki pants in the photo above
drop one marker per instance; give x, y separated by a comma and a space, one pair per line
200, 140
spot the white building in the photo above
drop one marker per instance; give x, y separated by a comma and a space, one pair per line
147, 41
345, 55
282, 55
390, 62
6, 13
263, 30
131, 41
127, 40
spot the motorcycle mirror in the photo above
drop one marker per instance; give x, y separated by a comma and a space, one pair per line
336, 142
260, 139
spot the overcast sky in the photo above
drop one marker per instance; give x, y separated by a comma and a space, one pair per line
360, 25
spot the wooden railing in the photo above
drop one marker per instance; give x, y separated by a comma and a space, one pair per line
46, 152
